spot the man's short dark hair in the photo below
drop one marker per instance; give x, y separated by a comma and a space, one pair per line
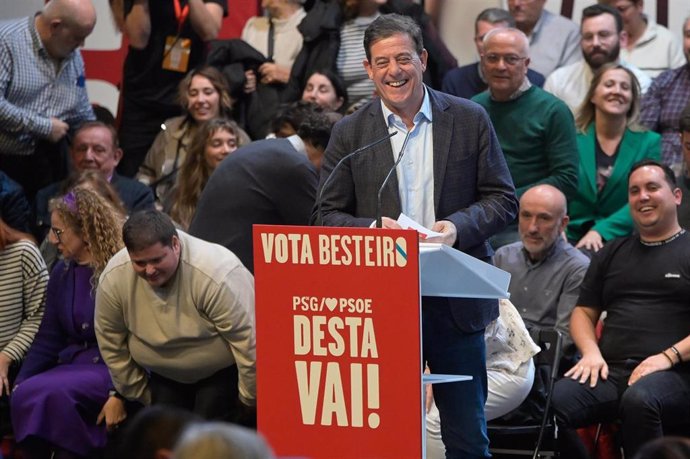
684, 123
154, 428
495, 16
598, 9
668, 173
387, 25
146, 228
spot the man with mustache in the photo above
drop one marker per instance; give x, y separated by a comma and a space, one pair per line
601, 41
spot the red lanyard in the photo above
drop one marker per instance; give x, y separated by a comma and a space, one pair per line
181, 14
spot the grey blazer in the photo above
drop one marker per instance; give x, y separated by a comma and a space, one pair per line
472, 185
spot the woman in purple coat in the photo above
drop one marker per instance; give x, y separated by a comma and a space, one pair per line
63, 402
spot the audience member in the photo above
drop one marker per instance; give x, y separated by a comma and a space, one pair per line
14, 207
270, 182
94, 147
670, 447
94, 180
546, 271
553, 39
39, 104
212, 143
63, 392
609, 142
175, 320
277, 38
635, 371
204, 95
466, 173
509, 372
166, 41
650, 47
153, 432
326, 89
323, 33
23, 279
218, 440
663, 103
358, 15
684, 180
601, 42
469, 80
535, 129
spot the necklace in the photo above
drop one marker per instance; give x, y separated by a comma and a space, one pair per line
665, 241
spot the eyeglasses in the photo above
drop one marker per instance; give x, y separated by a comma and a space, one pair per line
510, 59
57, 232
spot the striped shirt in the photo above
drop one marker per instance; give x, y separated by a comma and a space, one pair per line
350, 57
23, 280
32, 89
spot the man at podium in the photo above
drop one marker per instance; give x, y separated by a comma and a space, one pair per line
450, 175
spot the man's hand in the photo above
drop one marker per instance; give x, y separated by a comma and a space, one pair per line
58, 129
591, 241
5, 362
589, 367
273, 73
113, 412
388, 223
250, 81
651, 364
449, 233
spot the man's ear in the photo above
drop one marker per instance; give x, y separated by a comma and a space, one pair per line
368, 68
118, 156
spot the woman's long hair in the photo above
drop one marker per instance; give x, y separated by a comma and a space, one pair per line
587, 110
95, 221
195, 171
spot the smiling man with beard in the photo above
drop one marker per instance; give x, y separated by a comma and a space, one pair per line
637, 371
601, 41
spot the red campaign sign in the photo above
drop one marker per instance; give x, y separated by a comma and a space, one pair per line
338, 341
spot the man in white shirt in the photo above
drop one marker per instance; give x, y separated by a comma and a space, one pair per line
601, 42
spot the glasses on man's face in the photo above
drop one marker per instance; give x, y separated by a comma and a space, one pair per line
509, 59
57, 232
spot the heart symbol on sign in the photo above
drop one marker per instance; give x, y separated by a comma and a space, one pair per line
331, 303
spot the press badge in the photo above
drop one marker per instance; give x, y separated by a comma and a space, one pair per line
176, 56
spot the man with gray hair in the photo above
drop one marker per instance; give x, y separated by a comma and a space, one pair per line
468, 81
535, 129
42, 90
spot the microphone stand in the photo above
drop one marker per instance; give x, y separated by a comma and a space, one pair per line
379, 217
350, 155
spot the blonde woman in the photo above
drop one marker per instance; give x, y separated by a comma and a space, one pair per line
609, 142
61, 403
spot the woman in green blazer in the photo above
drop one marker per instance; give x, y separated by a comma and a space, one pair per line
609, 143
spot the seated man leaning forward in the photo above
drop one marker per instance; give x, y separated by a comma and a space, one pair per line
546, 271
637, 370
175, 320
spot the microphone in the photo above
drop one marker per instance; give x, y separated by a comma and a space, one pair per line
379, 217
349, 155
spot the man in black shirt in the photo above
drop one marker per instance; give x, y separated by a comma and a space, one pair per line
636, 371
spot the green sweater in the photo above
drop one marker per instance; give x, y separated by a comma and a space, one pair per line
537, 134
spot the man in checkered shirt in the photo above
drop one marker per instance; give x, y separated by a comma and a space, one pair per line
42, 91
